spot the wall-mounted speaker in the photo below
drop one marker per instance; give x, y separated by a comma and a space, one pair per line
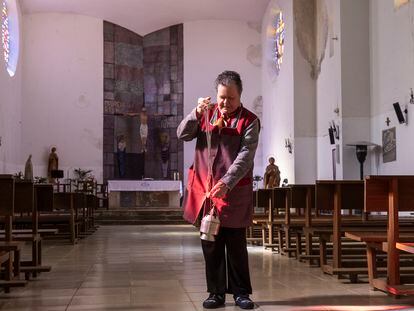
399, 113
331, 136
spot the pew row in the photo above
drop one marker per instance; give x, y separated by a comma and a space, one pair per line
390, 194
9, 250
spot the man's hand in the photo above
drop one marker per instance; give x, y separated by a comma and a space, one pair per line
203, 104
219, 190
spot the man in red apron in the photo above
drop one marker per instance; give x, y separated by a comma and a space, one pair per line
234, 138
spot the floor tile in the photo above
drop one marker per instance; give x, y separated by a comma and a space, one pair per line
162, 268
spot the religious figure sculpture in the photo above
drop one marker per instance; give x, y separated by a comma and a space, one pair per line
28, 169
143, 129
53, 164
143, 126
165, 153
271, 177
121, 155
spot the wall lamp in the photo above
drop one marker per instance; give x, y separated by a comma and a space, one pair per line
288, 145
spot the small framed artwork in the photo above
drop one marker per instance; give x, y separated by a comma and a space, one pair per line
389, 145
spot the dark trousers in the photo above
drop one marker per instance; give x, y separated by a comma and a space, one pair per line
227, 265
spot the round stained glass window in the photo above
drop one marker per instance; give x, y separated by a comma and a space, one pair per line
10, 34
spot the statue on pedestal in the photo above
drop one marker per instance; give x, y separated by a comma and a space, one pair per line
121, 155
53, 164
28, 169
165, 153
271, 177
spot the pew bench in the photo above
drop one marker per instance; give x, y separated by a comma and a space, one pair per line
266, 199
26, 196
10, 250
298, 209
406, 247
377, 241
41, 232
391, 194
341, 197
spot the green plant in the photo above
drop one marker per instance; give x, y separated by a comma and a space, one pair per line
82, 174
40, 180
18, 175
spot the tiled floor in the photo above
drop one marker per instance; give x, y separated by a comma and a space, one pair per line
161, 268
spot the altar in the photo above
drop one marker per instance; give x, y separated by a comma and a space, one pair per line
144, 193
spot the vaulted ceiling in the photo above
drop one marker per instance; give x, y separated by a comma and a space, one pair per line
146, 16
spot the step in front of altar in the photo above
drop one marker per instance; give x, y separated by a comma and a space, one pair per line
140, 216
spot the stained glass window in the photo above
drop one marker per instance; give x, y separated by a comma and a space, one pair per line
9, 34
279, 41
5, 34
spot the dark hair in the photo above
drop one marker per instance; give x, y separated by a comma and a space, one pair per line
228, 77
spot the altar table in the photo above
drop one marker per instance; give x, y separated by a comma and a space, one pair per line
144, 193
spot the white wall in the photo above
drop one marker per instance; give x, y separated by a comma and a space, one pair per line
63, 91
10, 115
344, 83
305, 143
289, 103
278, 95
210, 47
355, 82
329, 95
392, 67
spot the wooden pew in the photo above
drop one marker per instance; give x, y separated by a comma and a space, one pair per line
86, 204
339, 196
254, 232
44, 204
9, 250
391, 194
299, 216
273, 202
92, 203
64, 214
25, 204
263, 201
299, 204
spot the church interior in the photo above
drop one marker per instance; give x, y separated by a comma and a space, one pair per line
96, 175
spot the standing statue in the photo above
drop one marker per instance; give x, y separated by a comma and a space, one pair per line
121, 155
28, 169
165, 153
53, 164
271, 177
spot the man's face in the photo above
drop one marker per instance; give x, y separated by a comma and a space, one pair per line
228, 98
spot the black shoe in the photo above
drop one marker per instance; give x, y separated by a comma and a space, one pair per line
214, 301
244, 302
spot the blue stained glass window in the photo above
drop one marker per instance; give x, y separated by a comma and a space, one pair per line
10, 34
5, 35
